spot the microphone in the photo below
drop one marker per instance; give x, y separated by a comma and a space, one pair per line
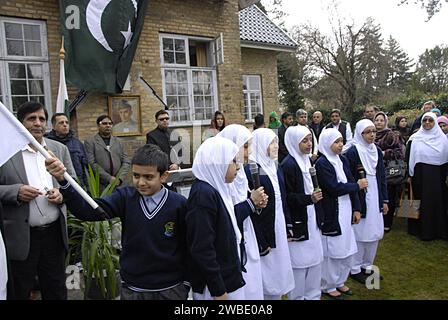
314, 179
253, 168
362, 174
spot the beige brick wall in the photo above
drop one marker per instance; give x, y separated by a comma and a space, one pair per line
205, 18
263, 63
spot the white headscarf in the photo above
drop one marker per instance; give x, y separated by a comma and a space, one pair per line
367, 151
293, 136
239, 135
326, 139
262, 138
428, 146
210, 165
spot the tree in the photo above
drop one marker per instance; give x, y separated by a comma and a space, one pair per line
432, 70
431, 6
399, 64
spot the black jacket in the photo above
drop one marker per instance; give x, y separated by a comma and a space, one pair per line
298, 201
161, 138
282, 150
331, 190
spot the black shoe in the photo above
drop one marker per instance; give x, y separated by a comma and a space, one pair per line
329, 296
369, 273
359, 277
348, 292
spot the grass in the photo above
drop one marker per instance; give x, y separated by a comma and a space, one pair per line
412, 269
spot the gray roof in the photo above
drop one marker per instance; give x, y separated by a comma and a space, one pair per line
257, 29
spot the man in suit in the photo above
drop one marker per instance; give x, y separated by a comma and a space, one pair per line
34, 215
161, 135
106, 153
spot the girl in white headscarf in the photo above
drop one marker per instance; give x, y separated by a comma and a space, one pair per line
341, 206
213, 235
270, 226
427, 155
366, 160
305, 246
240, 135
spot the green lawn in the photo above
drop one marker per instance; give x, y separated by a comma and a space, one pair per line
412, 269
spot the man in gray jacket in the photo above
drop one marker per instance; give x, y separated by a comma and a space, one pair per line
35, 227
106, 153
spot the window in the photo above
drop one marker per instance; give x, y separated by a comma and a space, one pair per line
24, 69
252, 97
189, 78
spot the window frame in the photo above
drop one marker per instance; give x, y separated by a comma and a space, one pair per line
246, 77
190, 86
6, 60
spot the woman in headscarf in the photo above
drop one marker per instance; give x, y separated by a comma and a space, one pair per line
342, 208
393, 149
364, 156
305, 246
401, 126
217, 124
213, 235
443, 124
270, 226
244, 207
427, 156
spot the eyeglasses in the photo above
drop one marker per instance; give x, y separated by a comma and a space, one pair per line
369, 132
106, 123
163, 119
428, 120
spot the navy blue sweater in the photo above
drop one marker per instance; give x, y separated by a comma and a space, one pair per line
212, 242
264, 223
154, 249
298, 201
331, 190
355, 161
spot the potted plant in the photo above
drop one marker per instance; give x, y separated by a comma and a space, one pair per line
100, 257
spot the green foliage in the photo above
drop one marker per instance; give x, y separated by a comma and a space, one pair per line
100, 258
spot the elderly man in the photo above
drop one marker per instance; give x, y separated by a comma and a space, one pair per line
317, 124
62, 133
34, 214
302, 120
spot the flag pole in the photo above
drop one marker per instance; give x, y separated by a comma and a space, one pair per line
45, 153
62, 91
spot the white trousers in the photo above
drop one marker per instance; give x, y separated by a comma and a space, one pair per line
307, 282
335, 272
3, 270
365, 256
235, 295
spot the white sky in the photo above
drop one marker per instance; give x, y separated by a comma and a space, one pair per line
405, 23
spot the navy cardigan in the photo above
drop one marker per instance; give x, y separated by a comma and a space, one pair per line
264, 223
298, 201
355, 161
212, 242
331, 190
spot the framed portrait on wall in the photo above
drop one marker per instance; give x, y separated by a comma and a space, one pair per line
125, 112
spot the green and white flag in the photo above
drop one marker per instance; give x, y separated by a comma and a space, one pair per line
101, 37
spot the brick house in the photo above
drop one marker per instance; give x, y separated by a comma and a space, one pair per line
199, 56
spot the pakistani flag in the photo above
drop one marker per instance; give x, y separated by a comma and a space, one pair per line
101, 37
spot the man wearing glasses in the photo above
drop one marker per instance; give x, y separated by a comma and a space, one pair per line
106, 153
160, 136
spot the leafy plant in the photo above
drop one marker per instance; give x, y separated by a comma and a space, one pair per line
100, 259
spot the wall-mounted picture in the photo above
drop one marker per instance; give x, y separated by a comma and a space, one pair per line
126, 115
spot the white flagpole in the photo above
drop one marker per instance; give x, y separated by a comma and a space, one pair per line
45, 153
62, 92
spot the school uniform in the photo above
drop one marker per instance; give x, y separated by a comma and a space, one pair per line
153, 256
244, 207
270, 226
370, 230
340, 200
306, 246
213, 235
